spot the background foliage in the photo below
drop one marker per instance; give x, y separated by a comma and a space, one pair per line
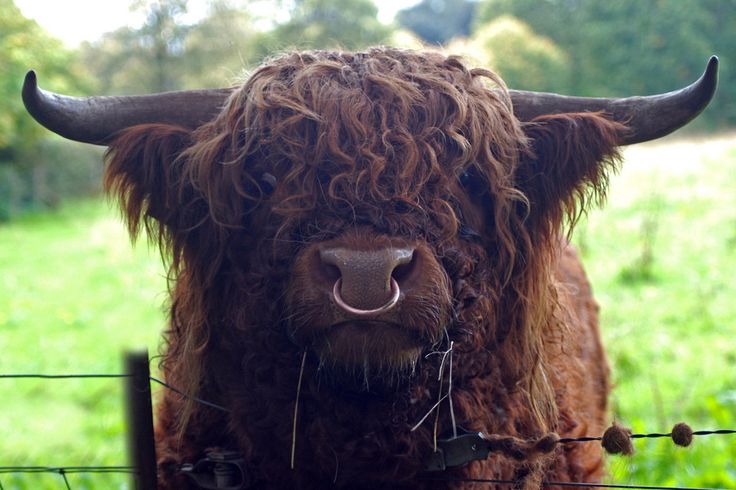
584, 47
35, 172
629, 47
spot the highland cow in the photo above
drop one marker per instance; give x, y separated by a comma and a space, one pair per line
368, 257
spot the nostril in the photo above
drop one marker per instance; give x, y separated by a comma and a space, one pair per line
403, 270
329, 272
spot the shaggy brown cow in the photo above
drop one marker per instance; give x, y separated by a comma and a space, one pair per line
359, 240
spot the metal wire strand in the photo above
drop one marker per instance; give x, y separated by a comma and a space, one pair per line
652, 435
64, 470
567, 484
67, 469
223, 409
88, 376
61, 376
66, 481
198, 400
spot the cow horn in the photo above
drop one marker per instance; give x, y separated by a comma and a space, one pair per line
648, 117
96, 120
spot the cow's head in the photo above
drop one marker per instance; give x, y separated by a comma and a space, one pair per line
364, 206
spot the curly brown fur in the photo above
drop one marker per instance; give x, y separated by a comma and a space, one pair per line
376, 146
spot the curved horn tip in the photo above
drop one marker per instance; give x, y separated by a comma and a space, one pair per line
31, 79
711, 71
712, 63
30, 84
30, 95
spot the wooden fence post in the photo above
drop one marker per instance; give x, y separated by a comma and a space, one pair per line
141, 449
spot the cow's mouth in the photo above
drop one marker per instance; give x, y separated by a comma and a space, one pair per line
364, 355
357, 342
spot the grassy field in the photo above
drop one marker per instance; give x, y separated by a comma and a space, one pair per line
73, 296
661, 255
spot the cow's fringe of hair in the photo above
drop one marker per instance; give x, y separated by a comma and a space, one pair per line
352, 116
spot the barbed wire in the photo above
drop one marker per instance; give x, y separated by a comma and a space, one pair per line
567, 484
194, 398
653, 435
67, 469
64, 470
62, 376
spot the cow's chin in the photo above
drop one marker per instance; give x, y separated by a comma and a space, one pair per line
367, 356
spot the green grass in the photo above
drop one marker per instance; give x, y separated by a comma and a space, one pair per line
661, 255
73, 296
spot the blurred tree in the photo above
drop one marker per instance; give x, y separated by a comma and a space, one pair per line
633, 47
221, 46
661, 46
24, 45
525, 60
553, 19
167, 54
25, 174
115, 61
404, 38
162, 39
723, 32
350, 24
146, 59
424, 19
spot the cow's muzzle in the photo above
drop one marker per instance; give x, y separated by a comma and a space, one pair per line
367, 304
367, 283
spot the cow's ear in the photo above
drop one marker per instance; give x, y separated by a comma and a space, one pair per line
144, 172
567, 165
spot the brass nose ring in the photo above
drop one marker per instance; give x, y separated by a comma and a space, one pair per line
395, 292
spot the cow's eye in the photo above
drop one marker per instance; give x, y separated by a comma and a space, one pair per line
466, 178
268, 183
471, 181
